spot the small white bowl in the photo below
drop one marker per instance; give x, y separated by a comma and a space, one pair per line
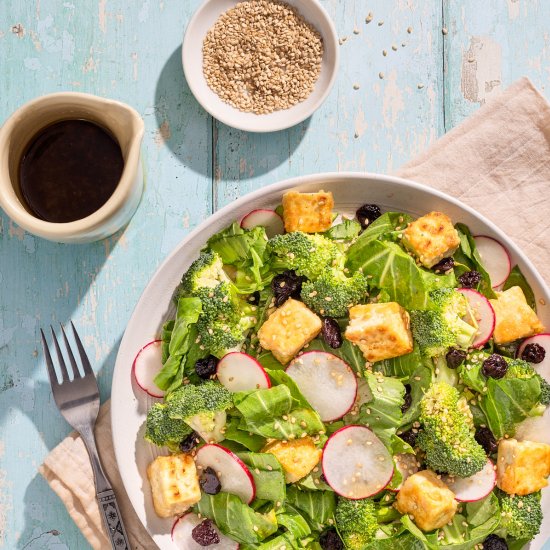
203, 20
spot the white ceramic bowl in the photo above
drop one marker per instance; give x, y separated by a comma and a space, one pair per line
129, 404
201, 22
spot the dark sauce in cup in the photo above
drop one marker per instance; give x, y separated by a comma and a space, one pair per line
69, 170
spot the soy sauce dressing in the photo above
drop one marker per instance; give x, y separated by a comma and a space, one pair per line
69, 170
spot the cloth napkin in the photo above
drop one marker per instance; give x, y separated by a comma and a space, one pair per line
497, 161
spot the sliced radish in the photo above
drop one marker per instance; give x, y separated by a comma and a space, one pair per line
238, 371
476, 487
407, 465
269, 219
495, 259
484, 315
234, 475
182, 535
147, 364
542, 340
327, 382
355, 463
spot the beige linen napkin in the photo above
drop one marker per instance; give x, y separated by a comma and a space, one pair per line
497, 161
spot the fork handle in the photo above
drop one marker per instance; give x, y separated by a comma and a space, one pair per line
108, 506
112, 520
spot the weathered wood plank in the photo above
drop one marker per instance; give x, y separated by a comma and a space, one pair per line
488, 48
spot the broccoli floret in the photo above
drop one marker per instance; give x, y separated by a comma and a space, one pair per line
356, 522
447, 437
308, 255
203, 408
442, 324
333, 292
518, 368
205, 272
162, 430
521, 516
544, 392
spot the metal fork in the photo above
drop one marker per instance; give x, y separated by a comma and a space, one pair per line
78, 402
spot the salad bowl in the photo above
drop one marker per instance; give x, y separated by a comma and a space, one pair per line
350, 190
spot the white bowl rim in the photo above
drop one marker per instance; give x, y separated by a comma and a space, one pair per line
336, 178
243, 126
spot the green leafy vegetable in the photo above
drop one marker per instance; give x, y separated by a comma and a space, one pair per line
467, 258
235, 519
317, 506
268, 475
344, 231
382, 413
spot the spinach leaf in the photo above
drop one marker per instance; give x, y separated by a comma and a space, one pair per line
165, 336
294, 523
317, 506
344, 231
467, 258
182, 338
268, 475
516, 278
401, 367
235, 519
382, 413
252, 442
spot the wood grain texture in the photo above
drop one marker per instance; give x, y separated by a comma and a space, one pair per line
131, 51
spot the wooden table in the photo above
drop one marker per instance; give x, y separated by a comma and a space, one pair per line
420, 66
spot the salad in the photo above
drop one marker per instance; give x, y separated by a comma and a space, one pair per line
331, 383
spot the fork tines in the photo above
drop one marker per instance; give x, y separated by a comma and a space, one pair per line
66, 376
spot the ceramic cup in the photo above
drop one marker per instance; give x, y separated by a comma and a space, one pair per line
121, 120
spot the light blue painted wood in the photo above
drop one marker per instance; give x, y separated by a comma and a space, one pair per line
131, 51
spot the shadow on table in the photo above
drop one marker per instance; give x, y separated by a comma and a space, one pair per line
42, 505
181, 121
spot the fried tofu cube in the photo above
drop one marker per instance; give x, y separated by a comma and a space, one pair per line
288, 330
381, 331
307, 212
298, 457
522, 466
431, 238
427, 499
514, 317
174, 484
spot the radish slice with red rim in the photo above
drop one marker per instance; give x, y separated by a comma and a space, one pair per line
476, 487
495, 259
327, 382
543, 340
232, 472
238, 371
146, 366
269, 219
356, 464
407, 465
182, 535
484, 315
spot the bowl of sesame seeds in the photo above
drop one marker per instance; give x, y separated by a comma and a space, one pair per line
260, 65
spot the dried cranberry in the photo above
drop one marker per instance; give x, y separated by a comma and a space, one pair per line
470, 279
485, 437
409, 437
209, 481
205, 533
331, 332
367, 213
495, 366
254, 298
189, 443
494, 542
329, 540
534, 353
407, 399
446, 264
455, 358
323, 478
286, 285
206, 367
